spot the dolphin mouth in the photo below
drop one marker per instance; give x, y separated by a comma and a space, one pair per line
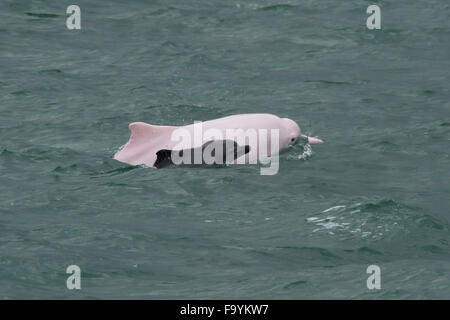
312, 140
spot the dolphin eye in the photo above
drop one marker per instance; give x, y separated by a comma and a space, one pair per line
292, 139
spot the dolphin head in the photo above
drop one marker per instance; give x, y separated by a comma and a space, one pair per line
294, 132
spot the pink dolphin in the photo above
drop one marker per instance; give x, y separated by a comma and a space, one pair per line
146, 140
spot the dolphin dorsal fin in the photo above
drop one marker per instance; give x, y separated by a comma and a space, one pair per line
144, 141
141, 131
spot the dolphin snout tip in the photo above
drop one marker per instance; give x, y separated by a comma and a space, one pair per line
313, 140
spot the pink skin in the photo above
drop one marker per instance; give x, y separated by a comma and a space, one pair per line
148, 139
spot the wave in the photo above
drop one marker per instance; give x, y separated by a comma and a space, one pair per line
42, 15
381, 220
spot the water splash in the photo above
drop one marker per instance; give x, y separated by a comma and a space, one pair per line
305, 154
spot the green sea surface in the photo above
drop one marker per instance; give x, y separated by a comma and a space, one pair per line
375, 193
